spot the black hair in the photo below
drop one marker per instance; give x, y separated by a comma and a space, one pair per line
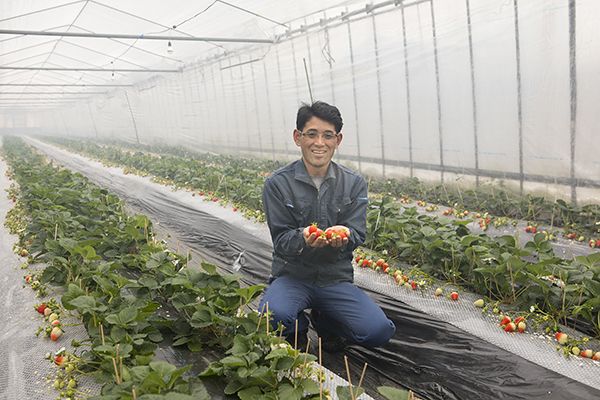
321, 110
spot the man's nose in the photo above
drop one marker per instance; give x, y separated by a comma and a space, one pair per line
320, 140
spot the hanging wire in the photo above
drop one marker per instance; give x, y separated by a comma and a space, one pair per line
59, 40
40, 11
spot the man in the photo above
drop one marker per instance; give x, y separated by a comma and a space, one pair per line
311, 271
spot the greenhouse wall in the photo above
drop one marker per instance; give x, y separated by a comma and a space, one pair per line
458, 91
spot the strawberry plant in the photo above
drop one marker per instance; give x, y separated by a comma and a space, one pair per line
260, 365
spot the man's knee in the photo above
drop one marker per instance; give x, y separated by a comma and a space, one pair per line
279, 311
375, 334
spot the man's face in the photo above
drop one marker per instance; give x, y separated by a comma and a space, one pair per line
318, 142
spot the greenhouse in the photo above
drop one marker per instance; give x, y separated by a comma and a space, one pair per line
386, 199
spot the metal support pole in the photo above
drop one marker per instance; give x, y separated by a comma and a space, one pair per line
137, 137
437, 88
236, 118
92, 118
519, 100
475, 141
220, 94
258, 126
408, 106
269, 112
281, 100
295, 70
380, 103
573, 81
354, 96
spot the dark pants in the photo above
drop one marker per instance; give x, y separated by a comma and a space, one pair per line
342, 309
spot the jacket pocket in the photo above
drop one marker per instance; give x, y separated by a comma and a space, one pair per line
300, 210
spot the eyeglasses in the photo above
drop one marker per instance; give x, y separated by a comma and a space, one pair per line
312, 134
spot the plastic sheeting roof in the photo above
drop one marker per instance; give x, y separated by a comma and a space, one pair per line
235, 19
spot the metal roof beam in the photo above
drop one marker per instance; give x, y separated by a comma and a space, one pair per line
65, 85
52, 93
139, 37
86, 69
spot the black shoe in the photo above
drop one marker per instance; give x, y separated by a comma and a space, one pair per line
333, 344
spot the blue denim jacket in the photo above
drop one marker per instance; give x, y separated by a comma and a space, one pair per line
292, 202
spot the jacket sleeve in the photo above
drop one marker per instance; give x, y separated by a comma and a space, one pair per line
355, 216
286, 235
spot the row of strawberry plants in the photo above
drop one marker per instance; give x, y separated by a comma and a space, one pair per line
87, 242
485, 265
220, 178
519, 277
500, 201
578, 221
116, 276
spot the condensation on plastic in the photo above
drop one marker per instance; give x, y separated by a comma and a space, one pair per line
434, 358
247, 101
25, 372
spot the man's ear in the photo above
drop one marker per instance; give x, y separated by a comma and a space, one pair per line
339, 138
297, 137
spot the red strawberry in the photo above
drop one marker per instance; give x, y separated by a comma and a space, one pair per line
358, 259
28, 279
510, 327
365, 263
597, 242
334, 233
454, 296
380, 262
312, 229
55, 323
519, 319
41, 308
414, 286
596, 356
505, 320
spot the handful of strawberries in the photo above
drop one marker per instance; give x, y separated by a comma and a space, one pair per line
334, 236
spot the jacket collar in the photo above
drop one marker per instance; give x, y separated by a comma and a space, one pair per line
301, 174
